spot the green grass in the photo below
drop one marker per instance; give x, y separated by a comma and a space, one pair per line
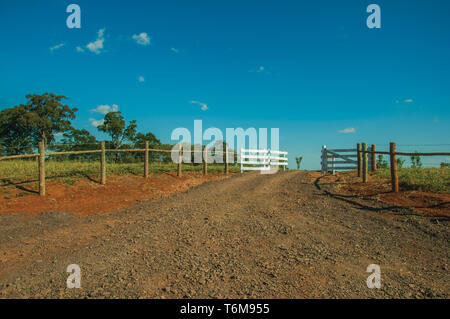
422, 179
70, 171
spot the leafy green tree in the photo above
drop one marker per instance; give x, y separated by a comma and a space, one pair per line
114, 125
46, 115
140, 138
43, 116
400, 162
76, 140
79, 140
139, 142
299, 161
15, 134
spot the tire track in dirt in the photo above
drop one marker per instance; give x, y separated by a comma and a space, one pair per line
249, 236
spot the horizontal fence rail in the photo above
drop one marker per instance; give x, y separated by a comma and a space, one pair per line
262, 160
330, 157
332, 160
41, 155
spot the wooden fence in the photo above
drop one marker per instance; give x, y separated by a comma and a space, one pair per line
363, 164
41, 155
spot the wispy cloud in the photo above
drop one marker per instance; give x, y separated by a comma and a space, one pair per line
404, 101
260, 69
204, 106
79, 49
347, 130
141, 79
56, 47
141, 38
104, 109
97, 45
175, 50
95, 122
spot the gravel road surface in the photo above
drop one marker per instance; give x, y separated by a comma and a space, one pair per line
285, 235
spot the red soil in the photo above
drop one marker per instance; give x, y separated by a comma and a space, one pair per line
425, 203
87, 197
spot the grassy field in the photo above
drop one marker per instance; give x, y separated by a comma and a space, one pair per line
69, 172
422, 179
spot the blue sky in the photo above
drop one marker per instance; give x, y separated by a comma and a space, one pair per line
312, 69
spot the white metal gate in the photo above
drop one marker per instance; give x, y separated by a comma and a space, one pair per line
262, 160
333, 161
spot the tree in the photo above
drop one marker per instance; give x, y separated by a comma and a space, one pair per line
153, 142
299, 161
76, 140
114, 125
416, 162
45, 115
140, 139
15, 134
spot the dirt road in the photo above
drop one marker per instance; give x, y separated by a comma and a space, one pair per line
252, 236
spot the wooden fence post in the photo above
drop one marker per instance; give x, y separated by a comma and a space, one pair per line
180, 159
226, 159
365, 162
41, 169
394, 171
205, 160
358, 156
146, 160
103, 163
374, 158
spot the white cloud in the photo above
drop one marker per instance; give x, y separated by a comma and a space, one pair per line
104, 109
141, 38
260, 69
97, 46
56, 47
175, 50
141, 79
203, 105
80, 49
95, 122
404, 101
347, 130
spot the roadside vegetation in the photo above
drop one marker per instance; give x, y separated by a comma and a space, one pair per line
420, 179
46, 119
416, 177
70, 171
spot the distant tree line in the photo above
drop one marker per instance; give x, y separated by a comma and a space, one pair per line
45, 117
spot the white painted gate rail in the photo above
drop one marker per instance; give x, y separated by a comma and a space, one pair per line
262, 160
